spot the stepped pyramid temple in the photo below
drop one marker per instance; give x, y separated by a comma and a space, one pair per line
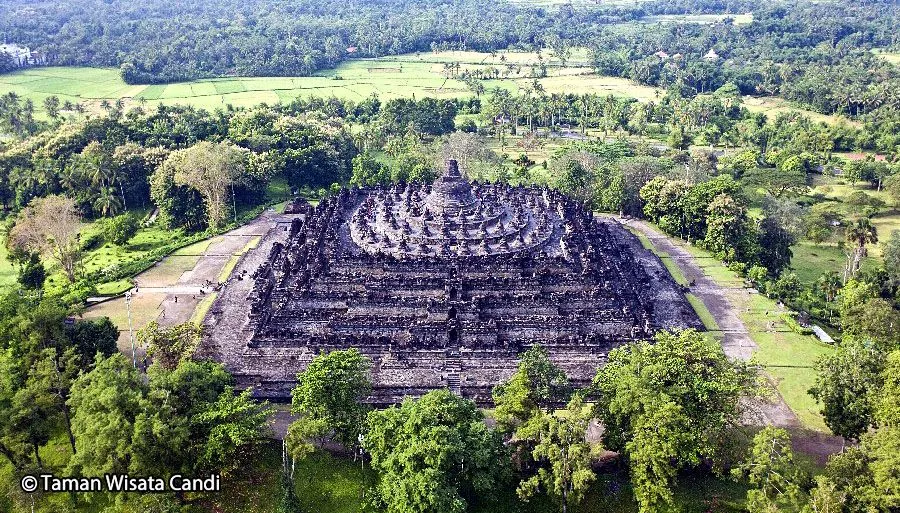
440, 285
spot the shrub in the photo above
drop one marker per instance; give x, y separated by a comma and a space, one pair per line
118, 230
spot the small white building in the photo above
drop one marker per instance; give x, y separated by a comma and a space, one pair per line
711, 55
22, 55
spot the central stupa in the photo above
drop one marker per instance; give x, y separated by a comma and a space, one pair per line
450, 220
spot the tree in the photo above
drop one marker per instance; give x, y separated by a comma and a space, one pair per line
106, 401
435, 454
51, 105
193, 422
367, 170
210, 169
787, 179
170, 346
34, 415
729, 232
892, 187
537, 383
772, 472
331, 391
51, 378
774, 245
179, 205
50, 226
846, 383
562, 453
234, 426
860, 233
120, 229
891, 253
32, 273
825, 497
92, 336
876, 320
668, 405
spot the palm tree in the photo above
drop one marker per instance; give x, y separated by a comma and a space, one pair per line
858, 234
107, 203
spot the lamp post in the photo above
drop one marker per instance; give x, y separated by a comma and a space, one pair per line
130, 329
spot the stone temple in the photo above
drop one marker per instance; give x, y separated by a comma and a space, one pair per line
440, 285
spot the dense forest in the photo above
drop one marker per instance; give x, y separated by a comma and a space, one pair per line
813, 53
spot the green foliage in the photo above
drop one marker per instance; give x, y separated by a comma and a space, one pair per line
538, 383
561, 453
233, 427
773, 474
106, 402
775, 243
367, 170
118, 230
330, 392
435, 454
179, 205
846, 384
32, 273
92, 336
669, 405
428, 115
891, 253
170, 346
730, 234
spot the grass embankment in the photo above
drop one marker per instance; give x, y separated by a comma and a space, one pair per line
706, 317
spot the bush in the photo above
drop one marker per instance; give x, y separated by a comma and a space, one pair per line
860, 198
758, 275
118, 230
794, 325
468, 126
738, 267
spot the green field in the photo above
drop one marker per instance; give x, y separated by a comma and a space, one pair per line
389, 77
706, 19
892, 57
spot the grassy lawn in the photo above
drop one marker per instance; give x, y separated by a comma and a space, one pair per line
786, 356
773, 106
705, 315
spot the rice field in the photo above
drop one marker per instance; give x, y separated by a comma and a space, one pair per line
703, 19
412, 75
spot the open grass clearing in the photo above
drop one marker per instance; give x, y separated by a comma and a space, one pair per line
892, 57
772, 106
407, 75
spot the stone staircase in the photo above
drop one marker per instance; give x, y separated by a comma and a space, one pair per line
453, 368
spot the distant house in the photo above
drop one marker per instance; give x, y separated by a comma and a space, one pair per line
711, 55
352, 49
662, 55
677, 56
22, 56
